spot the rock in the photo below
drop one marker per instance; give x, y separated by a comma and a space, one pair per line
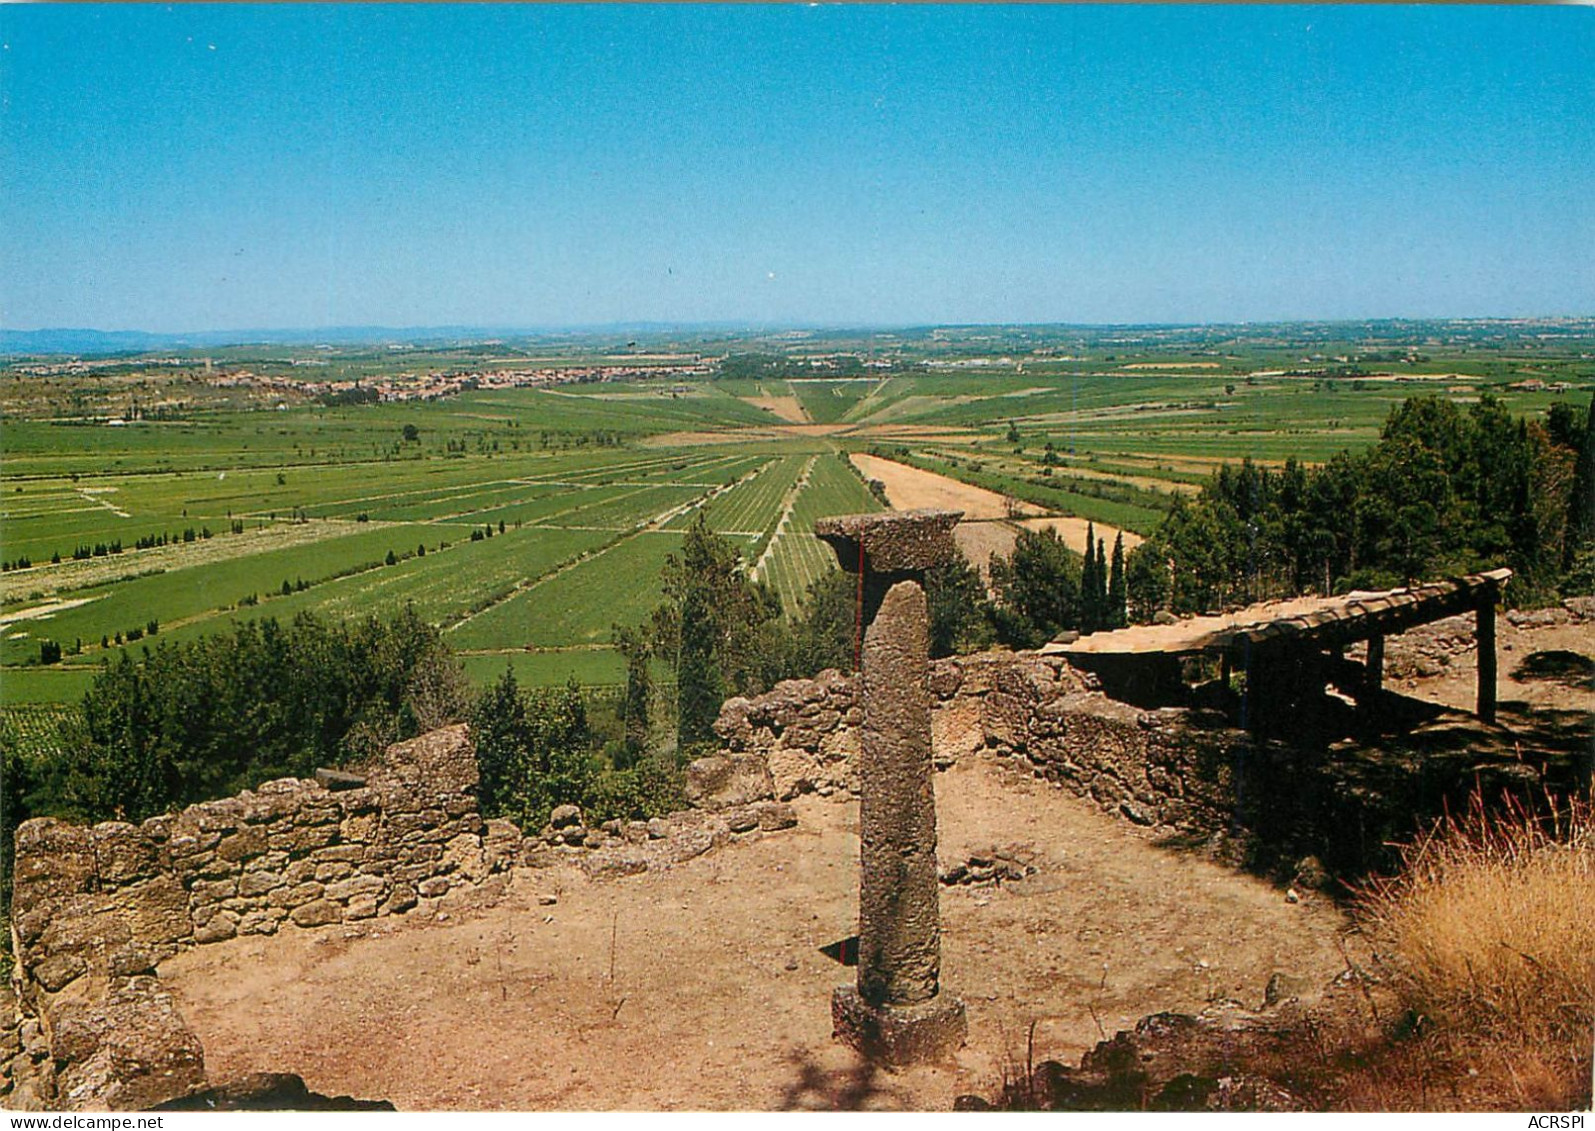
295, 896
1283, 987
346, 890
129, 961
259, 883
501, 843
565, 816
156, 911
613, 865
442, 761
360, 907
59, 971
246, 842
1136, 814
547, 900
1163, 616
636, 832
268, 1091
464, 856
219, 927
127, 1052
727, 781
775, 815
593, 839
123, 853
264, 922
54, 859
316, 913
742, 820
400, 900
658, 828
432, 888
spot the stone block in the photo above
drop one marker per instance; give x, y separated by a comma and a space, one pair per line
259, 883
400, 899
433, 887
345, 853
725, 781
213, 891
57, 971
219, 927
442, 761
123, 853
345, 890
317, 913
775, 815
890, 542
928, 1032
156, 911
54, 859
464, 856
296, 896
360, 907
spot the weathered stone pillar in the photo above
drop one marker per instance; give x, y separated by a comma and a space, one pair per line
897, 1012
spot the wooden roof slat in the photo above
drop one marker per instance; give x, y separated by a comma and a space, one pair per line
1325, 620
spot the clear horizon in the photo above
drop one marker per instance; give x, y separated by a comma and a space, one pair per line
223, 168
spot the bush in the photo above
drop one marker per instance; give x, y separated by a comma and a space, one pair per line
1486, 931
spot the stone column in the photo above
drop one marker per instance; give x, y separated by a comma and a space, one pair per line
897, 1012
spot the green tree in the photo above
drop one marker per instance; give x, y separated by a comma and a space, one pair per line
716, 628
1090, 607
1038, 590
960, 618
633, 647
1581, 504
1118, 593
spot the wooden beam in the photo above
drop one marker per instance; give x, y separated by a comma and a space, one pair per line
1484, 635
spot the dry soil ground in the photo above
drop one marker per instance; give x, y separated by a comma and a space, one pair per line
703, 987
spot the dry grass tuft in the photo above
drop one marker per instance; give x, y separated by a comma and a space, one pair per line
1489, 932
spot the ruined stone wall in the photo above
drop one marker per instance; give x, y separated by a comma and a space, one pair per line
95, 909
1167, 767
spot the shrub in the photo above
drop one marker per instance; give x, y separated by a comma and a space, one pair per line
1486, 931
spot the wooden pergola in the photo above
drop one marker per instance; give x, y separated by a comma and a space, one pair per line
1260, 639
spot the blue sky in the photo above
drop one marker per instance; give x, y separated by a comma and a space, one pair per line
208, 167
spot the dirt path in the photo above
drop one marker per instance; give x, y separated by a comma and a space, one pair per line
703, 987
1073, 531
787, 407
910, 487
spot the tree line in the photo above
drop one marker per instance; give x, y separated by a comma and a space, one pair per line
1445, 491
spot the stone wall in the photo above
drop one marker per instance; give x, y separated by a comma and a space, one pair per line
95, 909
1292, 810
1169, 768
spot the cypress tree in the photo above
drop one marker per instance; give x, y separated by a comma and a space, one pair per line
1117, 593
1090, 607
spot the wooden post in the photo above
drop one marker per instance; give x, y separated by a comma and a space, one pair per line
1484, 635
1375, 677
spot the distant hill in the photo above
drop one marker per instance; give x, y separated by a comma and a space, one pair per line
83, 343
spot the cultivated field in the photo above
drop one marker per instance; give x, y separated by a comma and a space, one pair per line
527, 522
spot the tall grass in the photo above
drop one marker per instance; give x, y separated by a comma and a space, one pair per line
1488, 931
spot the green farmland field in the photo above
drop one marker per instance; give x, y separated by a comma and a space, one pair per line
545, 513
